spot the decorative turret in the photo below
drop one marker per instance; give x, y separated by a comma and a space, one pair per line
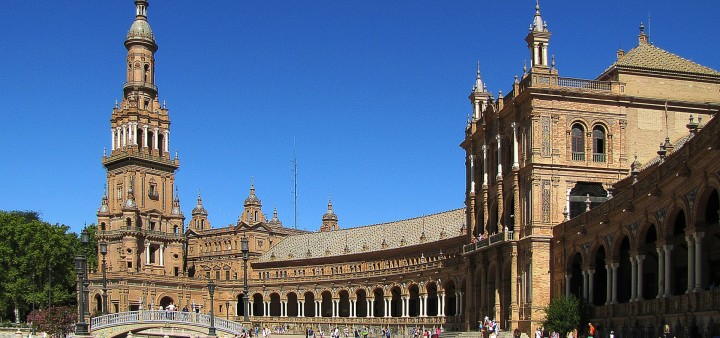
329, 219
199, 220
479, 96
252, 212
537, 40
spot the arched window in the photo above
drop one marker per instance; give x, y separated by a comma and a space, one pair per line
598, 144
577, 135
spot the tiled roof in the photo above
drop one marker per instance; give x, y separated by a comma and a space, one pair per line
369, 238
647, 56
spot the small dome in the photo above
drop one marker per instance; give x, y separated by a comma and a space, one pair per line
140, 29
199, 209
252, 199
104, 205
330, 214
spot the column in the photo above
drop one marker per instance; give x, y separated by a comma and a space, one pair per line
567, 285
162, 254
668, 259
250, 307
353, 308
471, 159
147, 254
536, 53
387, 307
639, 293
476, 111
608, 284
462, 303
166, 142
516, 164
124, 135
485, 169
371, 311
614, 267
403, 306
499, 155
118, 138
441, 310
145, 136
690, 263
544, 51
317, 309
585, 286
155, 138
112, 139
591, 286
633, 278
457, 303
134, 132
698, 260
661, 272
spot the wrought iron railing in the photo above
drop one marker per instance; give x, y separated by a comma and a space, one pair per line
578, 156
599, 157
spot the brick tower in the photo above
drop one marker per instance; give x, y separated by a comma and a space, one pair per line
140, 216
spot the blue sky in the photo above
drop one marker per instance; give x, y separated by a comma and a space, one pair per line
373, 94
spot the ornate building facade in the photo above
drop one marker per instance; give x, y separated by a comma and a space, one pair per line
542, 155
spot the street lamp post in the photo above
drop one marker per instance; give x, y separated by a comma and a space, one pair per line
211, 290
81, 327
103, 252
85, 239
246, 252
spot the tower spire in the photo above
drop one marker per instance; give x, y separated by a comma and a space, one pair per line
537, 40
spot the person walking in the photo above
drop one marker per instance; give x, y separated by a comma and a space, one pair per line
591, 330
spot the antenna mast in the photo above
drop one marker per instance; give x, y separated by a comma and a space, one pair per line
294, 181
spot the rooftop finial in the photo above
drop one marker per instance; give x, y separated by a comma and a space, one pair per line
538, 25
141, 8
478, 79
642, 37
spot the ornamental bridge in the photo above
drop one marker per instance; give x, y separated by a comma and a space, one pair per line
161, 323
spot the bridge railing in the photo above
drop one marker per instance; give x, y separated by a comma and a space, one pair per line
163, 316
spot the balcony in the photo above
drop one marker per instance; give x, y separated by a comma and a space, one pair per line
139, 84
578, 156
599, 157
490, 241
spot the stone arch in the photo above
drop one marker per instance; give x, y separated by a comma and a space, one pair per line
676, 231
361, 296
343, 303
293, 306
378, 298
395, 301
274, 309
599, 289
326, 304
706, 200
414, 299
647, 248
258, 307
450, 298
624, 269
165, 300
575, 269
431, 303
97, 307
309, 306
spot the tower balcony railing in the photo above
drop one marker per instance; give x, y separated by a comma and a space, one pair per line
499, 237
599, 157
578, 156
135, 84
554, 81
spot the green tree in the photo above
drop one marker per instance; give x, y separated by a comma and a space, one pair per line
562, 314
36, 260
